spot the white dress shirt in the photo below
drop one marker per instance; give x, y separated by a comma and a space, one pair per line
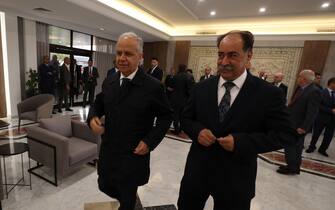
235, 90
130, 76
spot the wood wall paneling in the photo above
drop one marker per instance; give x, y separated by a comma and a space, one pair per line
181, 53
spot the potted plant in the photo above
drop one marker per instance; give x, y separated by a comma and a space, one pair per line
32, 83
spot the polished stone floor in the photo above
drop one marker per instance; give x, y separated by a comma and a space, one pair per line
273, 191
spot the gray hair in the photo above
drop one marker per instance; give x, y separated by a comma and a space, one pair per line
133, 36
308, 74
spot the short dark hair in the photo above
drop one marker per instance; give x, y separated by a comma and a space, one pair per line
190, 70
247, 37
154, 58
182, 68
331, 80
317, 74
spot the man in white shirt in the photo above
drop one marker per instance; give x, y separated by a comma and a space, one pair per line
244, 116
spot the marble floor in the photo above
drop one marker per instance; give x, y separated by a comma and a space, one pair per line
273, 191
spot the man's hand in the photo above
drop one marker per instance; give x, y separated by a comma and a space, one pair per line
206, 137
301, 131
97, 126
227, 142
141, 149
333, 110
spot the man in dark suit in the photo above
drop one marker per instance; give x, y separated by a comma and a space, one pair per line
155, 71
325, 119
65, 85
183, 84
46, 80
278, 82
230, 118
169, 83
130, 101
90, 76
303, 109
76, 78
113, 70
207, 74
317, 81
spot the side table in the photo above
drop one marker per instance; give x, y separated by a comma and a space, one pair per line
11, 149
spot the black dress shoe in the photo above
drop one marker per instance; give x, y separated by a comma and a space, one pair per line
310, 150
324, 153
287, 171
68, 109
60, 110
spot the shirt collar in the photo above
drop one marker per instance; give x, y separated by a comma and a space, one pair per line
130, 76
239, 81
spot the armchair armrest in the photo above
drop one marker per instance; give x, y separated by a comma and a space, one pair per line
44, 111
82, 131
60, 142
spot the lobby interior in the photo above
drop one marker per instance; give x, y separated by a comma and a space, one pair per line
290, 35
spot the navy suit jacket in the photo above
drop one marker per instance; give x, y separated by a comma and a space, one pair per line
259, 122
325, 110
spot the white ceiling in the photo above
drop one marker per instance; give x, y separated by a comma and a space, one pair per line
181, 17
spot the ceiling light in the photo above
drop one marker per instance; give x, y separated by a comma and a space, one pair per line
325, 5
101, 29
201, 0
262, 9
213, 13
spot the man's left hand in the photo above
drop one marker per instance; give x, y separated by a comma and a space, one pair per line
227, 142
141, 149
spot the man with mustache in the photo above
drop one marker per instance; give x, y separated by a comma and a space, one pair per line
244, 116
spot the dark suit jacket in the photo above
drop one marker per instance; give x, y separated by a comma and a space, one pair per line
158, 73
169, 84
204, 76
129, 118
90, 80
64, 78
283, 88
325, 110
183, 84
259, 122
75, 73
304, 109
47, 79
111, 71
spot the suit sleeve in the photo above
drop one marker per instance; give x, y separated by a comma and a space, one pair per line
277, 133
160, 75
323, 107
163, 113
188, 118
313, 103
97, 109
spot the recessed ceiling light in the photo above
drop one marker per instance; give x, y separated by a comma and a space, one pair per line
212, 13
101, 29
325, 5
201, 0
262, 9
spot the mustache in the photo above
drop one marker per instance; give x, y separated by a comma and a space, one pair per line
227, 67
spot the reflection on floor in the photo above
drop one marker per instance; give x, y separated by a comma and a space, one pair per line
273, 192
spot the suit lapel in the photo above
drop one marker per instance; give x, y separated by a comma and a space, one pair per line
213, 99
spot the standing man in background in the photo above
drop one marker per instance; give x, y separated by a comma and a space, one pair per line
207, 74
325, 120
278, 82
65, 85
90, 76
46, 80
130, 101
303, 108
155, 71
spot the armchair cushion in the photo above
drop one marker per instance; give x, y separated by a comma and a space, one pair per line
60, 125
80, 149
29, 115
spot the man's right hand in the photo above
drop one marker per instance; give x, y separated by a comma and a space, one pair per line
97, 126
206, 137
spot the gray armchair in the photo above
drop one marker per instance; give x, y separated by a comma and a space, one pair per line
61, 144
35, 108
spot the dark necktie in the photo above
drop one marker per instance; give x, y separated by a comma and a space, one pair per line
125, 82
333, 97
225, 101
